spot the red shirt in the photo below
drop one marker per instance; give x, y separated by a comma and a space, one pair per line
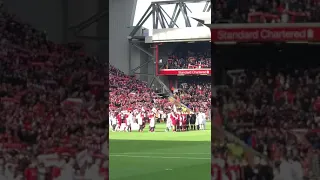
173, 119
31, 173
216, 172
277, 95
290, 97
66, 139
254, 17
27, 125
55, 172
184, 119
95, 92
236, 170
253, 141
104, 172
119, 119
316, 104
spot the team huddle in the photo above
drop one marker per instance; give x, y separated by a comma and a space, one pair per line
175, 120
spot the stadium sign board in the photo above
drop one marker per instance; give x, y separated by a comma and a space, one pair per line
182, 72
279, 32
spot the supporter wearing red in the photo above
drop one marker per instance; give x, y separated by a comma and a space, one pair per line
127, 92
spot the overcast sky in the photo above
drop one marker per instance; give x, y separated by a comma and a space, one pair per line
142, 6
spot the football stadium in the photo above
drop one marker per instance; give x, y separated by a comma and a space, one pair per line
160, 105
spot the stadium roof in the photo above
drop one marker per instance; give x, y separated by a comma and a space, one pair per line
163, 15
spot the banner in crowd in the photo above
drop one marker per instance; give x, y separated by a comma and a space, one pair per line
296, 32
182, 72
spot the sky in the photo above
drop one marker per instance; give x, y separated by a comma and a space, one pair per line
142, 6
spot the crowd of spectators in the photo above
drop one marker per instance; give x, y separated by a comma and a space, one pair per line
128, 92
189, 56
195, 93
53, 108
230, 161
275, 113
192, 61
265, 11
314, 138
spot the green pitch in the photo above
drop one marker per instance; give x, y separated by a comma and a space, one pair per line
160, 155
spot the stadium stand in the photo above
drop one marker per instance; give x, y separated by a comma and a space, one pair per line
242, 11
194, 92
130, 94
53, 107
272, 106
127, 92
189, 56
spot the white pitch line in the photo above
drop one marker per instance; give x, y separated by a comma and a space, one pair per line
159, 157
147, 153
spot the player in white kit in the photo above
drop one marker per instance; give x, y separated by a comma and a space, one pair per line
129, 121
113, 122
202, 121
152, 123
198, 120
139, 117
168, 123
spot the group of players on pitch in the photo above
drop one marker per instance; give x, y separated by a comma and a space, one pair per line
175, 120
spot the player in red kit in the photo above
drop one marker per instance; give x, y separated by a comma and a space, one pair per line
174, 121
179, 122
184, 121
118, 122
124, 121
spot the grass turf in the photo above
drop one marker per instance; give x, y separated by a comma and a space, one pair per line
160, 155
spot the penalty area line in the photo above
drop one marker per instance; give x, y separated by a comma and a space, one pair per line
159, 157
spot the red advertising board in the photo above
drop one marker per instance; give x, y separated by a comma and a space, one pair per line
182, 72
297, 32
